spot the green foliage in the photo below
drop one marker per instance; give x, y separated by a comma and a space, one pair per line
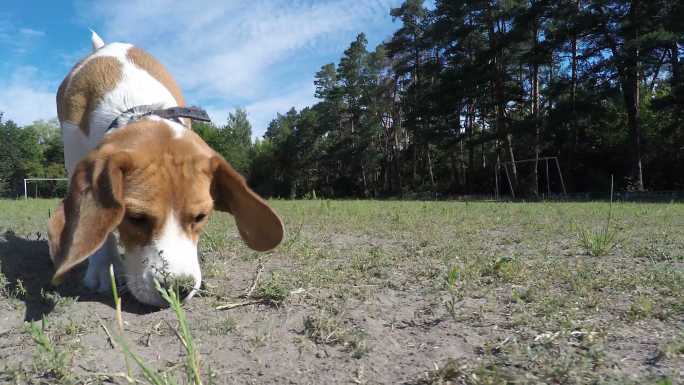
600, 242
464, 85
232, 140
272, 290
34, 150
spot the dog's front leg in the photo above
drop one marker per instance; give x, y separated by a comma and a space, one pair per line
97, 276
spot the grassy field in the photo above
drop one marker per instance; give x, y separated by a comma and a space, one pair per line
376, 292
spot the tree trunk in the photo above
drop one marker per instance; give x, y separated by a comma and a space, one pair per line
577, 132
471, 151
535, 111
674, 64
429, 161
499, 94
632, 100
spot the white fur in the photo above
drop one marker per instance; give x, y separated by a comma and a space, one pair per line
178, 129
172, 255
76, 145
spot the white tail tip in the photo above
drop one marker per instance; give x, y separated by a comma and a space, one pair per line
96, 40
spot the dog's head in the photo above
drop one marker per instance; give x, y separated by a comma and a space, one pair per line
157, 183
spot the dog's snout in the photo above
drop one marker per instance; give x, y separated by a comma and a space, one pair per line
184, 292
183, 286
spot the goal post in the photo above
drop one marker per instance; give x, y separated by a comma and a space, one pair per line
547, 174
28, 180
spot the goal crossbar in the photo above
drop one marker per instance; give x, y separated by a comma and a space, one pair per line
38, 179
544, 159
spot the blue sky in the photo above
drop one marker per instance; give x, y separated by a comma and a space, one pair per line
259, 54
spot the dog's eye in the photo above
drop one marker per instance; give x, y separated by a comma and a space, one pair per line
137, 219
200, 217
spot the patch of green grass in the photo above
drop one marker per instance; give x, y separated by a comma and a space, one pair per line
597, 242
50, 361
272, 290
454, 290
642, 307
602, 241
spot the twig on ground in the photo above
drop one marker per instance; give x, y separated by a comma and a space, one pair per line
255, 281
129, 379
229, 306
110, 339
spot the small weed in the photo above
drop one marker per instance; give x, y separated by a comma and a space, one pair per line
13, 374
522, 294
597, 243
455, 290
272, 290
461, 372
326, 329
504, 268
260, 337
19, 289
642, 307
355, 341
73, 328
602, 241
4, 291
224, 327
675, 347
55, 299
49, 360
323, 329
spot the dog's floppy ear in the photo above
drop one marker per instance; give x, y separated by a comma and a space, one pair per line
91, 210
259, 225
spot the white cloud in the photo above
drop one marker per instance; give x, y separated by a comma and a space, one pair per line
25, 97
17, 41
31, 32
261, 112
239, 53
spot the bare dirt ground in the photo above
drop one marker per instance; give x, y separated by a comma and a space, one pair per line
377, 293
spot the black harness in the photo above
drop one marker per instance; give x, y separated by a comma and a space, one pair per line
174, 113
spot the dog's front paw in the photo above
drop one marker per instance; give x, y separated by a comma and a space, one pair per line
97, 278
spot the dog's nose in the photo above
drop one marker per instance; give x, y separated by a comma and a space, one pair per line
184, 292
182, 286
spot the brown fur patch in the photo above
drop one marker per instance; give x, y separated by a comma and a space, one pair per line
148, 63
81, 92
169, 176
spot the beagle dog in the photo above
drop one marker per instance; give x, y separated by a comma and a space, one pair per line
137, 169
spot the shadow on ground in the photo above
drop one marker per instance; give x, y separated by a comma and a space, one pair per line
27, 268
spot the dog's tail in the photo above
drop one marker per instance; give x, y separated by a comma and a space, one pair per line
96, 40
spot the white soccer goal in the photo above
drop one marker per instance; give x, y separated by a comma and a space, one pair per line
35, 182
549, 177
